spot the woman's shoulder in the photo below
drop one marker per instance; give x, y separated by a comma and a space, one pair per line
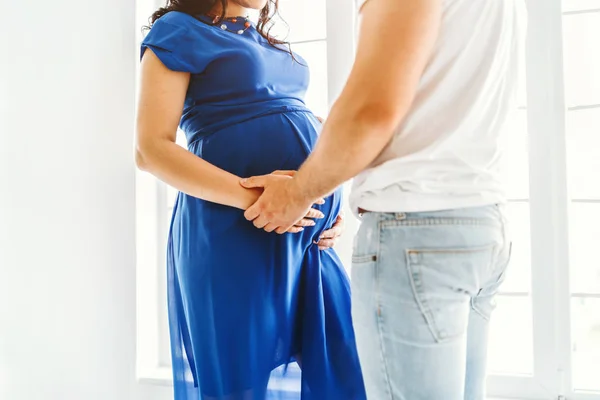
183, 21
180, 42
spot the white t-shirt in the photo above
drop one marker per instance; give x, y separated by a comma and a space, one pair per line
448, 151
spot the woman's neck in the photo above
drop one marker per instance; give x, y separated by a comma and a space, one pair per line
233, 10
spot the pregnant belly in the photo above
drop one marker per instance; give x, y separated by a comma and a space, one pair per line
261, 146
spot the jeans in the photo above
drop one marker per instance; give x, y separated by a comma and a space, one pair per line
423, 288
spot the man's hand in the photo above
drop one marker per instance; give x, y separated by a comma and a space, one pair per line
280, 206
329, 238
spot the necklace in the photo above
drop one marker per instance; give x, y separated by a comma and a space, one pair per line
233, 21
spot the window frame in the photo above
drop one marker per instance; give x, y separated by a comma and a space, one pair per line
548, 206
549, 203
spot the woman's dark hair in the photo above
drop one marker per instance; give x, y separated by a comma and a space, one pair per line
202, 7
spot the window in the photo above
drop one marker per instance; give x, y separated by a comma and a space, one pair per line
581, 31
545, 334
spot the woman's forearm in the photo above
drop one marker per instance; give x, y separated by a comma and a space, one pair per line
192, 175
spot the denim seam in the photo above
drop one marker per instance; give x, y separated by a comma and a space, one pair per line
425, 310
435, 221
364, 259
380, 324
492, 270
474, 306
477, 310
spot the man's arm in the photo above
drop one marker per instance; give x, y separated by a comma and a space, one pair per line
395, 42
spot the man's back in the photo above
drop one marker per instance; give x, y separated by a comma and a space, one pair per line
447, 152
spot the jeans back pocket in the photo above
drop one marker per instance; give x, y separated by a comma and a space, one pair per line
444, 281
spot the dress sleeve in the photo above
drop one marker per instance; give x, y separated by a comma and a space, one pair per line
171, 40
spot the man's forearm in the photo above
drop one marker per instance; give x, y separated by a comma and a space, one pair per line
352, 138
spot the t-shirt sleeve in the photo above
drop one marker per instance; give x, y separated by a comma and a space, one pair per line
171, 39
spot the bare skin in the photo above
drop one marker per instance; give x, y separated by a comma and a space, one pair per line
237, 8
161, 98
395, 42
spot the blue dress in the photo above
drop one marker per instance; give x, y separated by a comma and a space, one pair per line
243, 302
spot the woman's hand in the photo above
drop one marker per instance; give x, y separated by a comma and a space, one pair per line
329, 238
307, 220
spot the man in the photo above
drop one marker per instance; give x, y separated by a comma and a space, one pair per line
421, 121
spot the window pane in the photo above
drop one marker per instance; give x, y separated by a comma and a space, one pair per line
584, 241
171, 196
164, 349
518, 276
522, 86
181, 139
579, 5
511, 336
582, 58
301, 20
586, 343
517, 158
583, 146
315, 55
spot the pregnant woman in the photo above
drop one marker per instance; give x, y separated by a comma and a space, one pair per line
242, 301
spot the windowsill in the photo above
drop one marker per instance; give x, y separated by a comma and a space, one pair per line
161, 376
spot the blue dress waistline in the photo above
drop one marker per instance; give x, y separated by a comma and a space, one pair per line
241, 113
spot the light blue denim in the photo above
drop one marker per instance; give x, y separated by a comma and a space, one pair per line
423, 288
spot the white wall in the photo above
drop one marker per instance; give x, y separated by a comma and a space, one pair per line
67, 245
67, 199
